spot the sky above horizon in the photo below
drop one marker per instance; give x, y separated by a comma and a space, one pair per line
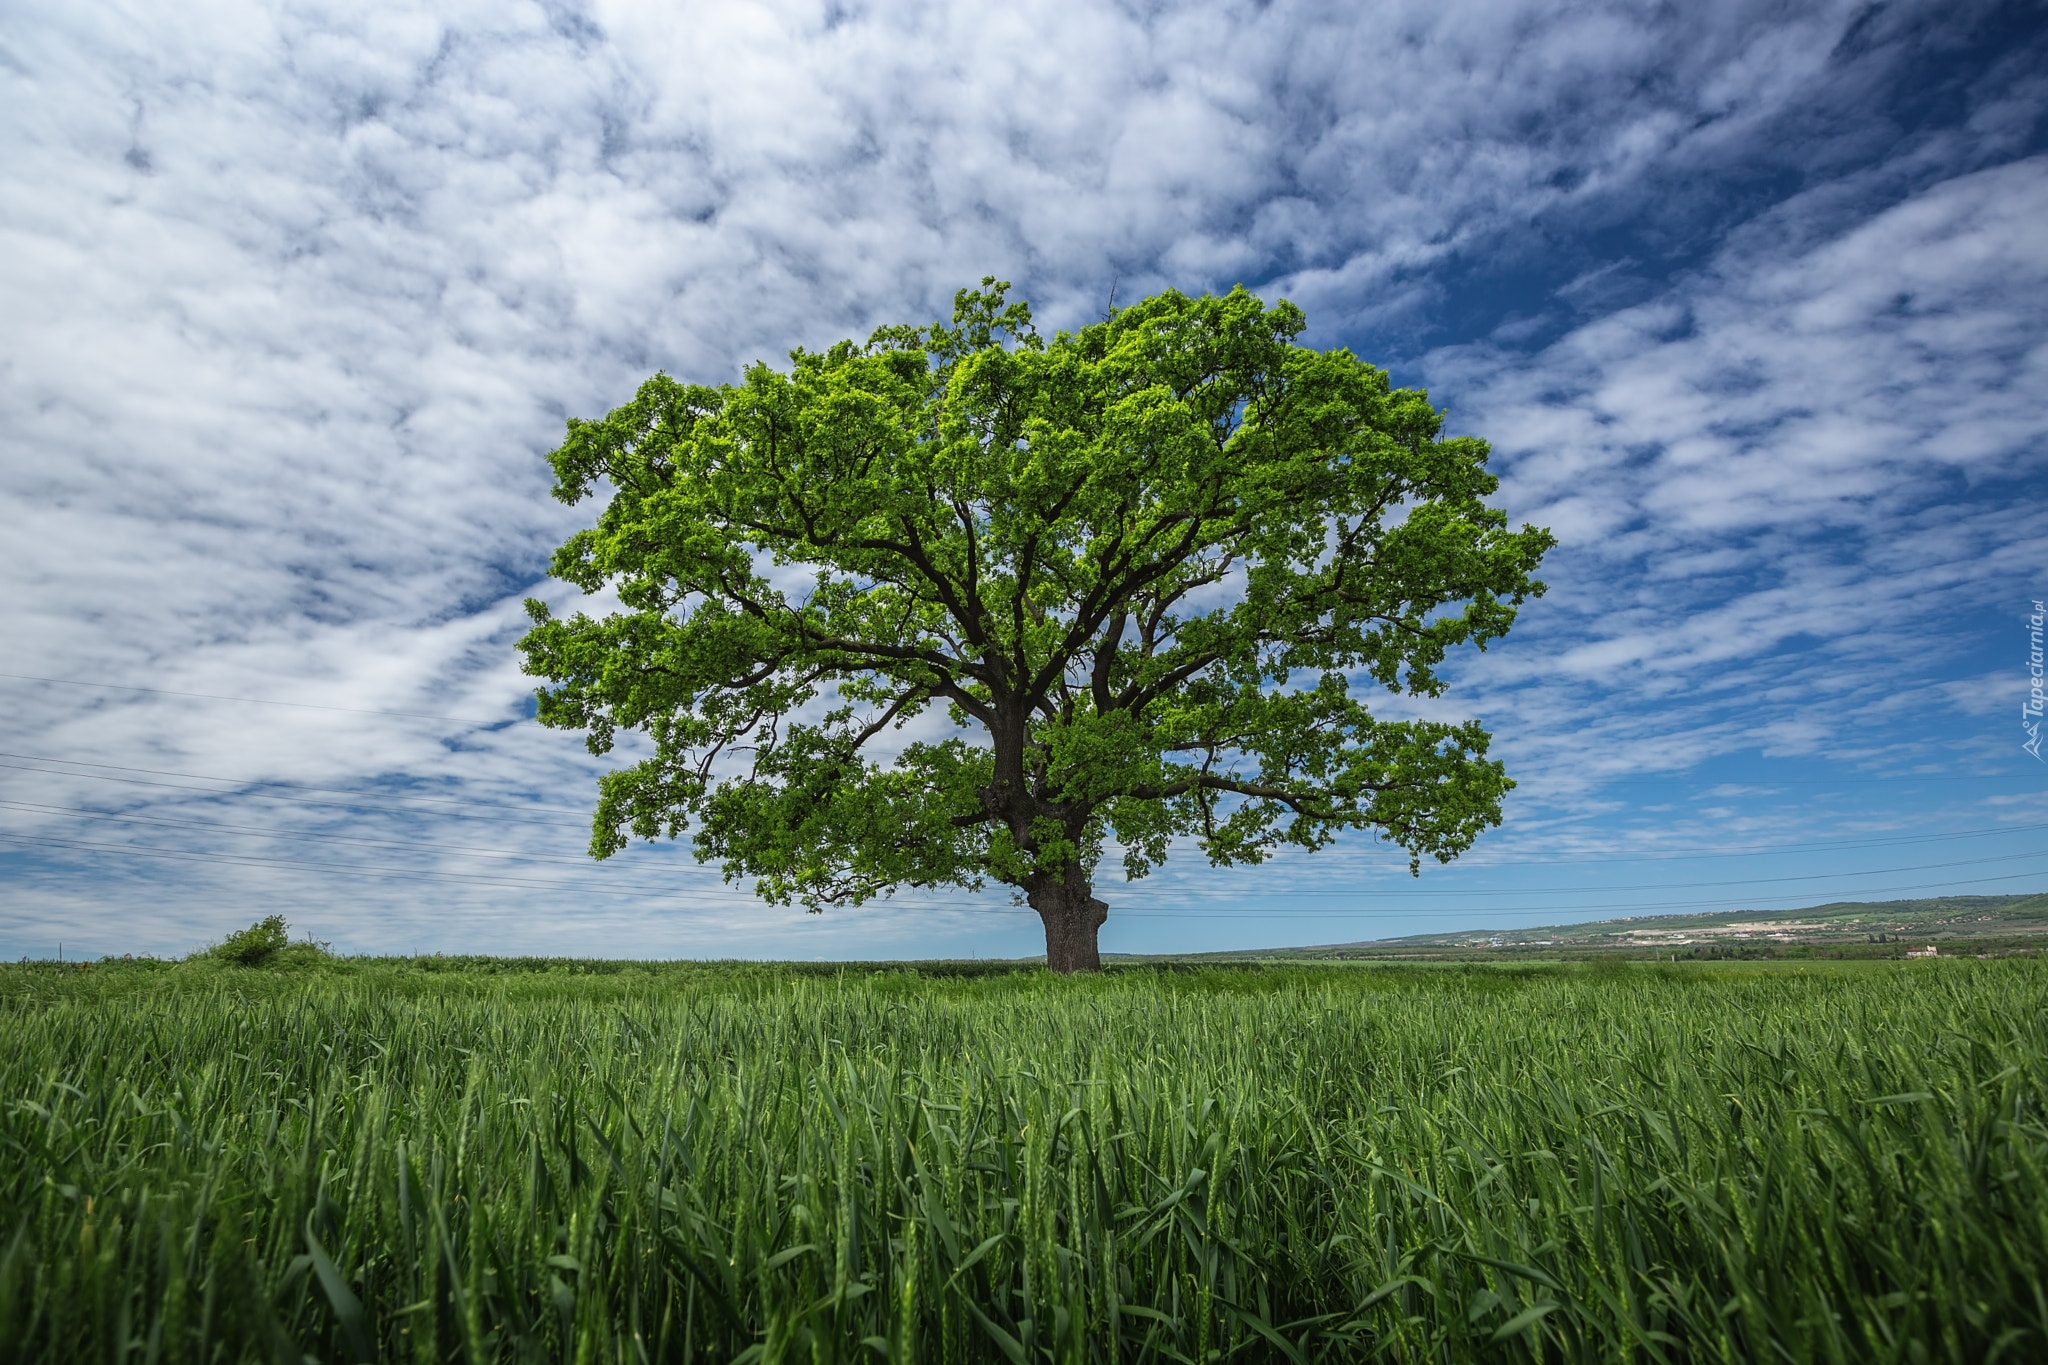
1750, 299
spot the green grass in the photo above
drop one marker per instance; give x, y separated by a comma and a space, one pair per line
502, 1162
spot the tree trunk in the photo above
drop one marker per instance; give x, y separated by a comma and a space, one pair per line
1072, 916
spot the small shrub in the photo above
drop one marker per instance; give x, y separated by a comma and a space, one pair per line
257, 944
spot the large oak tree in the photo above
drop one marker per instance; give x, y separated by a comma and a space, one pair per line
1143, 568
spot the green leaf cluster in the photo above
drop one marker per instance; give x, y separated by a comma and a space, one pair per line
257, 944
1138, 566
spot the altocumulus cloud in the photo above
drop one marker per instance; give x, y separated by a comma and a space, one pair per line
1830, 445
297, 295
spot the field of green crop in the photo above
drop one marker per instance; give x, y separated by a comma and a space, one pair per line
494, 1162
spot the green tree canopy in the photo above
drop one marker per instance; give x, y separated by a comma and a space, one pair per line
1138, 565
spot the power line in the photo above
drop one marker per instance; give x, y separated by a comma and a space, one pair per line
261, 831
1851, 779
511, 813
272, 782
355, 869
349, 869
254, 701
1762, 850
1595, 913
249, 831
508, 814
954, 907
1679, 886
1598, 780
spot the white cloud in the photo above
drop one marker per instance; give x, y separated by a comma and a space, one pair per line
298, 293
1782, 486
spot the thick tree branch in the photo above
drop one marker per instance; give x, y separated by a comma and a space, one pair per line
1299, 802
881, 723
1105, 660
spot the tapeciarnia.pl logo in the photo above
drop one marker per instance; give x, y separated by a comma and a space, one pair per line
2030, 714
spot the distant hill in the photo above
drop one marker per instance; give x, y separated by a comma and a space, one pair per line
1872, 928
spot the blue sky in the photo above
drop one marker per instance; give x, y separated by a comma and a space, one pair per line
1751, 299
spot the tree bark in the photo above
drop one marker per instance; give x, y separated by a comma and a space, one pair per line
1072, 917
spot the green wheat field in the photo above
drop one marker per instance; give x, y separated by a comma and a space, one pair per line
469, 1160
